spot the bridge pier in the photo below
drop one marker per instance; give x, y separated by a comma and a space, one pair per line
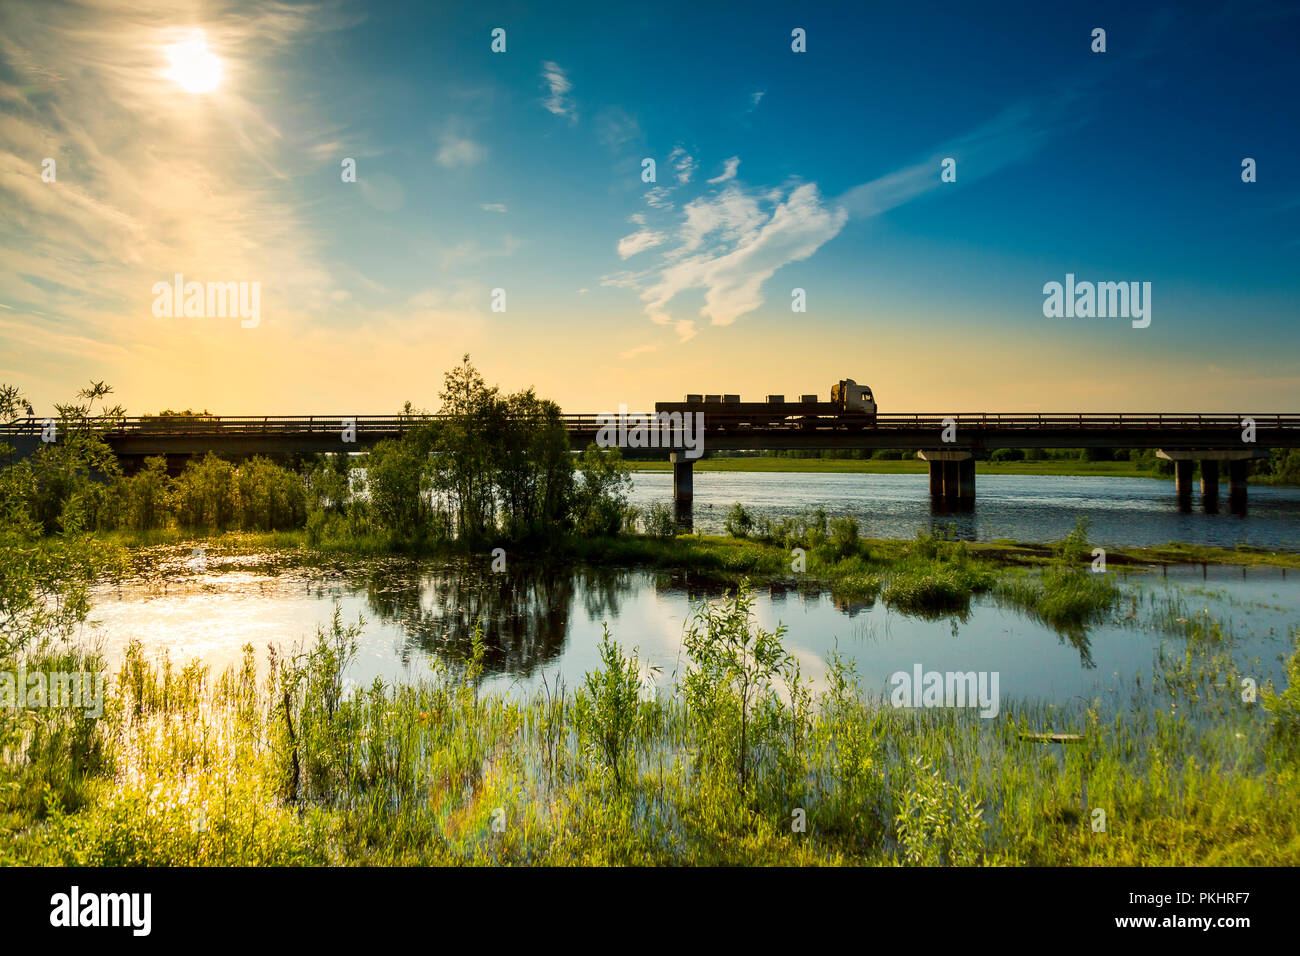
683, 490
1183, 470
1237, 486
952, 479
1237, 460
1210, 484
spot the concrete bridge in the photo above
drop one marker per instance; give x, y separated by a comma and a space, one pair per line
951, 443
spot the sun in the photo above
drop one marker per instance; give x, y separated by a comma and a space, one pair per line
193, 66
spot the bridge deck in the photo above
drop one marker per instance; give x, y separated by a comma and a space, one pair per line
976, 431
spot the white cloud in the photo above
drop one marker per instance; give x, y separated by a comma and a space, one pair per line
456, 150
729, 168
134, 202
756, 97
558, 100
1010, 137
637, 350
728, 245
683, 163
657, 196
640, 241
492, 206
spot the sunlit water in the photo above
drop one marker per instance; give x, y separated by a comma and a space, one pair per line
545, 623
1124, 511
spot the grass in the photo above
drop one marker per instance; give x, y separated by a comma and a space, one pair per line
188, 768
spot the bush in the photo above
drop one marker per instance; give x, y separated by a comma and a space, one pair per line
204, 495
1007, 454
739, 521
844, 540
939, 823
659, 521
1285, 707
601, 497
1074, 550
610, 709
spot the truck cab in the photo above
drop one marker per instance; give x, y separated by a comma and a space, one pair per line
852, 397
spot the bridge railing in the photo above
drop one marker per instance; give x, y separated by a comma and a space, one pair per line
270, 425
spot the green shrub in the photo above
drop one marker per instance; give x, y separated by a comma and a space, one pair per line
659, 521
939, 823
739, 521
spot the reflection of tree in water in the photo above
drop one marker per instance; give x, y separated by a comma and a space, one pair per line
1076, 635
524, 612
602, 589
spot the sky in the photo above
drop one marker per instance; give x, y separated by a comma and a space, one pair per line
500, 206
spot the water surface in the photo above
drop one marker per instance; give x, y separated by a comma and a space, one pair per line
1124, 511
545, 623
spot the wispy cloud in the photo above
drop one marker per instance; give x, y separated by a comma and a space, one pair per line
637, 350
135, 201
454, 150
1012, 136
557, 83
492, 206
657, 196
729, 168
728, 245
683, 164
616, 128
640, 241
471, 252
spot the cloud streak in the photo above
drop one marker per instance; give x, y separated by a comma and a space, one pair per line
557, 100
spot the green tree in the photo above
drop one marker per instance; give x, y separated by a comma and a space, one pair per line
463, 446
600, 500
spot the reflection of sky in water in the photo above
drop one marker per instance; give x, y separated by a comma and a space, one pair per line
549, 622
1124, 511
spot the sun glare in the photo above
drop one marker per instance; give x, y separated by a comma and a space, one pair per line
193, 66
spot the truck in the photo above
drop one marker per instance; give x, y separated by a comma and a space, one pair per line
851, 406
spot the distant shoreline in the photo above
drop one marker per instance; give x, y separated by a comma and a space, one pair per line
884, 466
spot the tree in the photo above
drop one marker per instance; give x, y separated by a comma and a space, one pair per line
462, 446
600, 506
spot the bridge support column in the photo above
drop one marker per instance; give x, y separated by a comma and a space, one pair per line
936, 482
1210, 484
950, 483
966, 483
1237, 486
683, 490
1237, 459
1183, 482
952, 478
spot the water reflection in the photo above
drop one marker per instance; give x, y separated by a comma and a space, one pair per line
542, 620
524, 614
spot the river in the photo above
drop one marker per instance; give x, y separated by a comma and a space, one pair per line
543, 622
1124, 511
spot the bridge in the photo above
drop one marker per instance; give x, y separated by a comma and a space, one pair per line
950, 442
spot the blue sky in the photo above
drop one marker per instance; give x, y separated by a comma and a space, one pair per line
522, 170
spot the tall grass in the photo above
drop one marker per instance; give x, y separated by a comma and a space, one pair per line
742, 762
